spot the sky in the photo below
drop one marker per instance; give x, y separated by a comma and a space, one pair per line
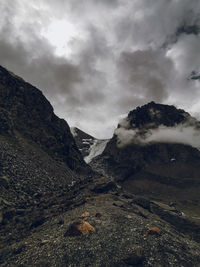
95, 60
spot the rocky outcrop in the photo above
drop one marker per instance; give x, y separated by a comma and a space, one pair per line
89, 146
26, 113
158, 168
153, 115
83, 140
40, 164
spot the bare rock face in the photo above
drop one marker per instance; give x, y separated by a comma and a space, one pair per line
39, 160
83, 140
153, 115
154, 152
26, 112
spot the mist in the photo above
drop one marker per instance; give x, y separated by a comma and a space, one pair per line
187, 133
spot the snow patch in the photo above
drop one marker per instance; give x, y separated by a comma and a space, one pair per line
73, 131
96, 149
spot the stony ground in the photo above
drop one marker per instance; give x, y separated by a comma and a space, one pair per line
121, 237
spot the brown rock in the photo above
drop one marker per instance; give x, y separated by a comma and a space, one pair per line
79, 228
153, 231
85, 214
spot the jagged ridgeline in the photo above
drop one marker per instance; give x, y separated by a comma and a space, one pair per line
55, 211
37, 150
25, 112
155, 152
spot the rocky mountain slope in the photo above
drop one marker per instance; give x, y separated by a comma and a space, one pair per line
26, 113
154, 152
89, 146
56, 211
83, 140
38, 157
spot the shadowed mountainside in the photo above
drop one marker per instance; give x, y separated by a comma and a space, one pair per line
25, 112
163, 169
39, 159
83, 140
55, 211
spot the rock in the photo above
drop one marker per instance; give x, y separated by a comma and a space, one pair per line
85, 214
8, 252
153, 231
118, 204
8, 214
4, 182
61, 222
37, 222
42, 127
44, 242
83, 140
103, 186
4, 202
146, 168
182, 224
79, 228
143, 202
136, 257
164, 206
39, 160
1, 217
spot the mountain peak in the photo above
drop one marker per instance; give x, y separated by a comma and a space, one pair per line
156, 114
158, 123
25, 111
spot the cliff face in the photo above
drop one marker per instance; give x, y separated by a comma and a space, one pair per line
25, 112
39, 160
83, 141
153, 115
154, 152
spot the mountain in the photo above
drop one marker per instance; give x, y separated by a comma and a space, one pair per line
56, 211
39, 159
89, 146
83, 140
38, 152
155, 153
25, 112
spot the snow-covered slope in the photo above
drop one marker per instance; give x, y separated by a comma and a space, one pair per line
89, 146
96, 149
83, 140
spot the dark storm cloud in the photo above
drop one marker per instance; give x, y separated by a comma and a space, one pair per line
150, 23
145, 75
35, 60
35, 57
122, 54
38, 65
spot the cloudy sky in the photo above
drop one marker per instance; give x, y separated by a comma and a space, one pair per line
95, 60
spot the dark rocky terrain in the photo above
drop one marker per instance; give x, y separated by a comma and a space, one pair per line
83, 140
56, 211
39, 159
89, 146
164, 171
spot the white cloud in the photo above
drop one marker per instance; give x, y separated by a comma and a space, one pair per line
187, 133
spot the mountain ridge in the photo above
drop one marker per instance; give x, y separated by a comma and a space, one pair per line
56, 211
24, 109
144, 165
